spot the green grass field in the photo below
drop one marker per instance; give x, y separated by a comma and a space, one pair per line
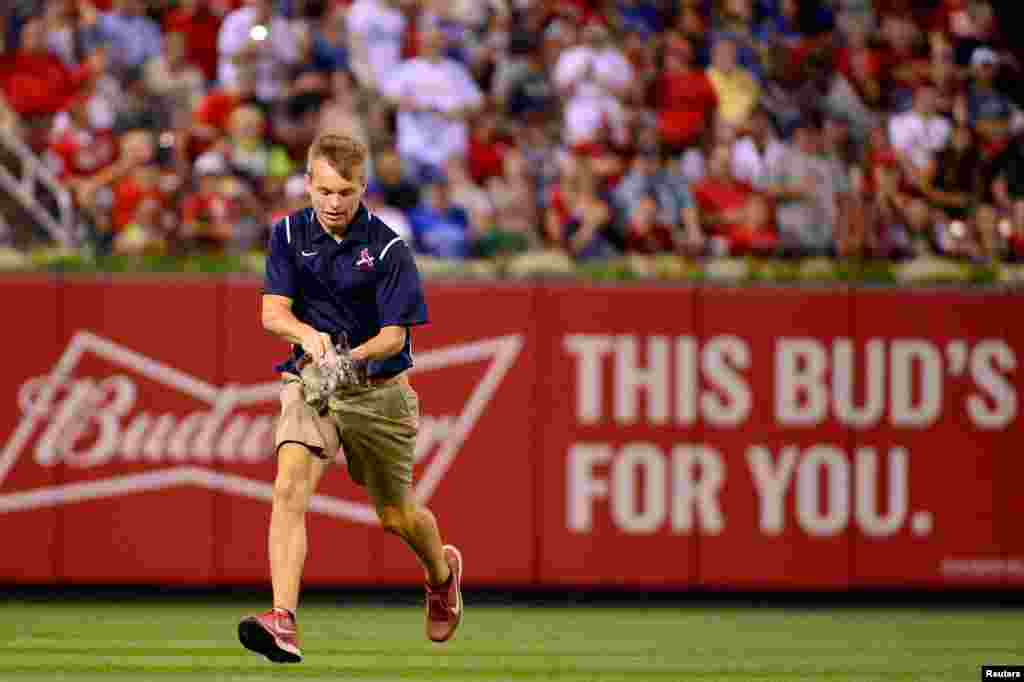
185, 640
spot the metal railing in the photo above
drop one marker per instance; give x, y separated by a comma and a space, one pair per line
33, 172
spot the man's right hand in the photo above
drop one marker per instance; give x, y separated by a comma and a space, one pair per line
317, 344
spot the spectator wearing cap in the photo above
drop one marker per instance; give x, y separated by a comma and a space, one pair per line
376, 33
989, 109
258, 37
683, 97
131, 38
736, 88
916, 135
434, 96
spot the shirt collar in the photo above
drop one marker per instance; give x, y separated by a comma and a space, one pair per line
358, 229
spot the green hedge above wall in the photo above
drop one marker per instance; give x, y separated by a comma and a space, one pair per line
556, 265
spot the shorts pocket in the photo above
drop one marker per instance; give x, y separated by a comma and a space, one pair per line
410, 402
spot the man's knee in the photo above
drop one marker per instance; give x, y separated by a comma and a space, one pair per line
292, 483
291, 493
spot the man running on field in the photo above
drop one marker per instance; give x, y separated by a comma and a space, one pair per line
334, 269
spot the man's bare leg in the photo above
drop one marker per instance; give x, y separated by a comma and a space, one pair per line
298, 474
418, 527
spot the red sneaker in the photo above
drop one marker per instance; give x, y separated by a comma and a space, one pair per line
444, 604
273, 634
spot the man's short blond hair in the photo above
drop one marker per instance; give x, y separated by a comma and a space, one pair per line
345, 154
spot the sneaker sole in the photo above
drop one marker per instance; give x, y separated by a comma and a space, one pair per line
256, 638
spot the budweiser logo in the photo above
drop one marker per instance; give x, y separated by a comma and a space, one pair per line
89, 422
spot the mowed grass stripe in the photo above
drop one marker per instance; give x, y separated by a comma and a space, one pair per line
169, 641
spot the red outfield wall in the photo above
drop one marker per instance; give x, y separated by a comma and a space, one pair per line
638, 436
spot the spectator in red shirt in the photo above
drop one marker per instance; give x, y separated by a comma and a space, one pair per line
98, 195
579, 218
486, 148
737, 219
199, 24
645, 234
904, 60
684, 98
37, 84
208, 215
80, 151
210, 118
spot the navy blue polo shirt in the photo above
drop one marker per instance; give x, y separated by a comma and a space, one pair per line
359, 285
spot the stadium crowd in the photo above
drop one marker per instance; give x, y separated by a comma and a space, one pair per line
880, 128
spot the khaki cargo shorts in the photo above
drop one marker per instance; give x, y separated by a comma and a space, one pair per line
374, 427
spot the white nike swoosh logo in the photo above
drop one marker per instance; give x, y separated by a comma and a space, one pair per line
309, 253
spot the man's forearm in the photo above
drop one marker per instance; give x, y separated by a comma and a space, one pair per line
388, 342
284, 325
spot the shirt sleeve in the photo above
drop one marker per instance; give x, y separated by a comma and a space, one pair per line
400, 299
280, 278
284, 42
233, 35
395, 85
900, 134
